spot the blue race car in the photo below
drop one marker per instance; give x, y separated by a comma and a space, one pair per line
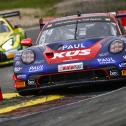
73, 50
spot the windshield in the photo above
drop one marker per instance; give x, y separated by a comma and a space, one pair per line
3, 27
78, 30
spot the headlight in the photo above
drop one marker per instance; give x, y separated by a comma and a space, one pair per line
116, 46
8, 45
28, 56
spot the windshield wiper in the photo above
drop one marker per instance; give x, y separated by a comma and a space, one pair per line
75, 35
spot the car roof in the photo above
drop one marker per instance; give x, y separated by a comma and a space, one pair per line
82, 16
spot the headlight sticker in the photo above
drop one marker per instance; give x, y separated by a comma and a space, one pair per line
116, 46
28, 56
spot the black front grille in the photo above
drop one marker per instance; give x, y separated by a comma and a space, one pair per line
2, 57
72, 77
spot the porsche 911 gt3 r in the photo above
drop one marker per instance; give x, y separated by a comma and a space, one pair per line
10, 38
73, 50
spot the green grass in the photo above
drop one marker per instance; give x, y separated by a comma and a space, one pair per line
48, 8
9, 4
44, 5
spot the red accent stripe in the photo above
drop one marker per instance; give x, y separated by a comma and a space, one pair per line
93, 52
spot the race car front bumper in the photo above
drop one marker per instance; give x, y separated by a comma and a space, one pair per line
71, 84
68, 79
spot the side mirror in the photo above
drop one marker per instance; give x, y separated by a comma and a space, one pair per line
41, 23
26, 42
41, 26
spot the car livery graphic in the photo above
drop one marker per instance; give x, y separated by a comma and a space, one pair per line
73, 50
10, 38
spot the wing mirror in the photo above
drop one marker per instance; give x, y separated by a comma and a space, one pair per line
26, 42
41, 23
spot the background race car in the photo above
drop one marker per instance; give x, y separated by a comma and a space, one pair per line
10, 38
72, 51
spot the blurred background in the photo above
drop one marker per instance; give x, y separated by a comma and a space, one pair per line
32, 10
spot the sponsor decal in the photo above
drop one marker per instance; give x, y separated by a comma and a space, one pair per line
95, 19
31, 82
19, 53
36, 68
103, 54
22, 76
17, 69
124, 57
106, 60
70, 67
122, 65
17, 63
17, 58
74, 46
113, 73
72, 53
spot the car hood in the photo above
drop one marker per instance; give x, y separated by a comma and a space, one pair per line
73, 44
4, 37
72, 50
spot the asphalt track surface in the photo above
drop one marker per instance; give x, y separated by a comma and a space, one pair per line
106, 109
